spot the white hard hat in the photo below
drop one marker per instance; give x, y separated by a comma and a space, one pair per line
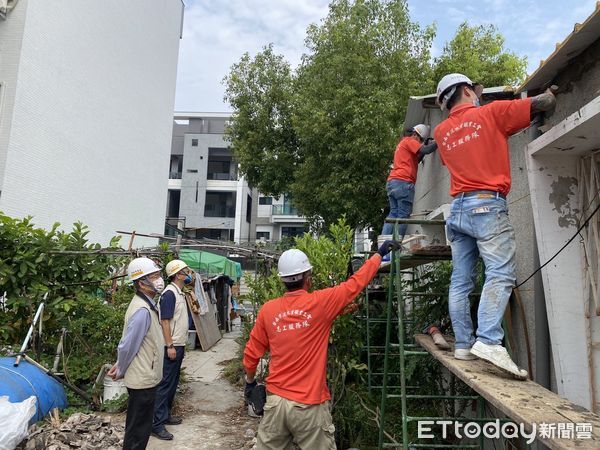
140, 267
422, 130
445, 91
292, 264
174, 266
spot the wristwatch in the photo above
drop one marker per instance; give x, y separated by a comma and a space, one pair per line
170, 346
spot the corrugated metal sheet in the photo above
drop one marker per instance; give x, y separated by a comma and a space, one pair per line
582, 37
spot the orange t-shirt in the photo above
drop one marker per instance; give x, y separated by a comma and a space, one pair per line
405, 160
473, 144
295, 328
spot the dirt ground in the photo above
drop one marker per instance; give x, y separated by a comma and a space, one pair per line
213, 411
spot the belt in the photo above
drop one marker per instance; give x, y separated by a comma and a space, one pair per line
481, 194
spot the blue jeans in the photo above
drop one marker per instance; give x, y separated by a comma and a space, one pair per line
476, 227
165, 392
401, 195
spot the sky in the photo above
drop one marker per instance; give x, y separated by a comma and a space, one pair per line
217, 32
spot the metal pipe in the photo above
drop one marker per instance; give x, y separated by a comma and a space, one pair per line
30, 332
59, 350
74, 388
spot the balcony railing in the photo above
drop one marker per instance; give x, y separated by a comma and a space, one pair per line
284, 210
174, 175
223, 176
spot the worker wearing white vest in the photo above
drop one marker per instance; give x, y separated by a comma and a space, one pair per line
174, 323
140, 352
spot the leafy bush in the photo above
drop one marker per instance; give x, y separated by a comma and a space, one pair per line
81, 298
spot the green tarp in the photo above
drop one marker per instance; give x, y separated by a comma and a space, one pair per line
210, 264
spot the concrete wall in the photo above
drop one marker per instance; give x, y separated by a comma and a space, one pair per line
579, 83
11, 39
92, 120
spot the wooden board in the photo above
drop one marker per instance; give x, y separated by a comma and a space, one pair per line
522, 401
206, 325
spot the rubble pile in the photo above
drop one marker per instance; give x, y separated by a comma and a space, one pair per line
79, 431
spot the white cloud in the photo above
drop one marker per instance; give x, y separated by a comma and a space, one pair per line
217, 33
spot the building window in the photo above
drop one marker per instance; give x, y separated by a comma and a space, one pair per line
221, 165
266, 235
219, 204
265, 200
292, 231
194, 142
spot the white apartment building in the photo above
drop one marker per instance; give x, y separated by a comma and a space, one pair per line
87, 90
277, 218
207, 197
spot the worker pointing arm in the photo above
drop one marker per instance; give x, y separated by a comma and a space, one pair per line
295, 329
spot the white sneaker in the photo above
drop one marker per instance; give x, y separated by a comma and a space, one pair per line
464, 354
498, 356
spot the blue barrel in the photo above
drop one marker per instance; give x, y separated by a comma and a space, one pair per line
25, 380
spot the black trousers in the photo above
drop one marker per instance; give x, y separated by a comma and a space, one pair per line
138, 424
165, 391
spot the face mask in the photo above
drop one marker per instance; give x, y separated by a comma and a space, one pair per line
188, 279
159, 285
476, 102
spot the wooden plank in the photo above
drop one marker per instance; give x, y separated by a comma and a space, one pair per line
522, 401
206, 325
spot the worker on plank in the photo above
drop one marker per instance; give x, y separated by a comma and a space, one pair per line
295, 330
400, 185
140, 352
473, 144
174, 320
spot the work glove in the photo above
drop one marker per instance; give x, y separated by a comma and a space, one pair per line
248, 389
387, 247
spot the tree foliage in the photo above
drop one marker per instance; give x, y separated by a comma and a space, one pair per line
324, 134
260, 90
479, 53
352, 87
66, 266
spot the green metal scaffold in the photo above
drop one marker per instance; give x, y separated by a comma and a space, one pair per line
404, 350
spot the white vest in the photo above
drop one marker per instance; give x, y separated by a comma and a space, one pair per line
179, 324
146, 369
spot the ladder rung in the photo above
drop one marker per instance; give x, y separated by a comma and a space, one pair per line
411, 445
456, 419
436, 397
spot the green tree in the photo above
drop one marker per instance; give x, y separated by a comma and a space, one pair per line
479, 53
260, 92
325, 134
364, 60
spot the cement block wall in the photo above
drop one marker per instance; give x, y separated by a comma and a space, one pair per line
90, 132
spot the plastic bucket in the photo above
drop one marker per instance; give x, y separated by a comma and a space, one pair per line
113, 389
191, 340
382, 238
